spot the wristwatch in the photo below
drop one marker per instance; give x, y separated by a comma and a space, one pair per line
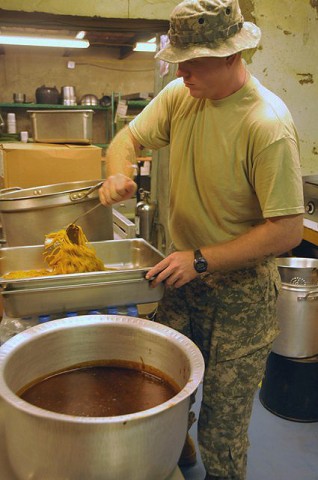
200, 264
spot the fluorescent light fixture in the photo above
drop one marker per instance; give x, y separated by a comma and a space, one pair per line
43, 41
149, 46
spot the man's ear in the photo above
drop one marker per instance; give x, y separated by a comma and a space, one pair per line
231, 59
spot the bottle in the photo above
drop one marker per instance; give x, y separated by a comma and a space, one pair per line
145, 214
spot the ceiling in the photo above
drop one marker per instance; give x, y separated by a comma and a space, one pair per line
121, 34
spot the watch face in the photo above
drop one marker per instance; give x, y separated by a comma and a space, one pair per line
201, 265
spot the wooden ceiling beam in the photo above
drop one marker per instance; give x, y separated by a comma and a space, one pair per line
51, 21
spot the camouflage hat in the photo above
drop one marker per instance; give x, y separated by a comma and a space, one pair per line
208, 28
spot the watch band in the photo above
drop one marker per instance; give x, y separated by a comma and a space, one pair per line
198, 254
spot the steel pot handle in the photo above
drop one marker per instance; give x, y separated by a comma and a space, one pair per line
10, 189
310, 296
74, 197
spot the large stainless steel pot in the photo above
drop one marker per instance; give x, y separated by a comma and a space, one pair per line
297, 308
140, 446
27, 215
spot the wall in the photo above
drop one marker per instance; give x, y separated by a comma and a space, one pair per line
23, 69
287, 63
97, 71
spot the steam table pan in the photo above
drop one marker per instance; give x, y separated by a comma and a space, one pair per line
122, 284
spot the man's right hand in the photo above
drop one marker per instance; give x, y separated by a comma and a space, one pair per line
116, 188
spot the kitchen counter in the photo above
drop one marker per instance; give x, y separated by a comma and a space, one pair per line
6, 471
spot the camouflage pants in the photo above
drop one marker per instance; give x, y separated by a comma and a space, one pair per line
232, 319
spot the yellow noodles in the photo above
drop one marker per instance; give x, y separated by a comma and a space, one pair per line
63, 256
26, 273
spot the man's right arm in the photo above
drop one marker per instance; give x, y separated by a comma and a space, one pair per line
120, 167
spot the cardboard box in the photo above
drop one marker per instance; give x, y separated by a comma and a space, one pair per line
27, 165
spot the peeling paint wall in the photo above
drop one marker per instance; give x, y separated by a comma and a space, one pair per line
287, 63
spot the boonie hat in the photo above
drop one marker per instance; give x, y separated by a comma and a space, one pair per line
208, 28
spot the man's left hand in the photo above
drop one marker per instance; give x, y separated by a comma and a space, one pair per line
175, 270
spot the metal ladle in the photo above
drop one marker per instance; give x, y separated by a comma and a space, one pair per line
72, 229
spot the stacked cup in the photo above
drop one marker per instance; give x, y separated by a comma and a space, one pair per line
11, 122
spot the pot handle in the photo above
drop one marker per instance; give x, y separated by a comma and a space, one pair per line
10, 189
310, 296
74, 197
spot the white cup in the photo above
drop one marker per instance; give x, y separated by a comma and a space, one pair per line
24, 136
11, 117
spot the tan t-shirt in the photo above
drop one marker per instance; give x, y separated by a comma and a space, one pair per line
233, 162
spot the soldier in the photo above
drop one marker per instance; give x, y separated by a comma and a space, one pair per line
236, 203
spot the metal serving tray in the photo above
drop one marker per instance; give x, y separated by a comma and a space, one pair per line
122, 284
62, 126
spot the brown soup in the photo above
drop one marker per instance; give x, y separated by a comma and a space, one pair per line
100, 390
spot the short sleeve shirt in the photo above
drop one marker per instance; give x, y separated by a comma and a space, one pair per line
233, 162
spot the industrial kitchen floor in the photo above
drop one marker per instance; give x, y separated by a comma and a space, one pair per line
280, 449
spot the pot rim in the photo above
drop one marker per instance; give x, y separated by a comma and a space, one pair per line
28, 193
299, 263
298, 271
9, 348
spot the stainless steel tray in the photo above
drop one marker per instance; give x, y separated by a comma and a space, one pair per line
62, 126
124, 283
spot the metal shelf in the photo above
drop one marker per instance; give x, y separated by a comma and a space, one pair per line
137, 103
133, 104
53, 107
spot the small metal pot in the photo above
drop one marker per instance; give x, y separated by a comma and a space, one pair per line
139, 446
19, 98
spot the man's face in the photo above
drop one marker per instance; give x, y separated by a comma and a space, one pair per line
205, 77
